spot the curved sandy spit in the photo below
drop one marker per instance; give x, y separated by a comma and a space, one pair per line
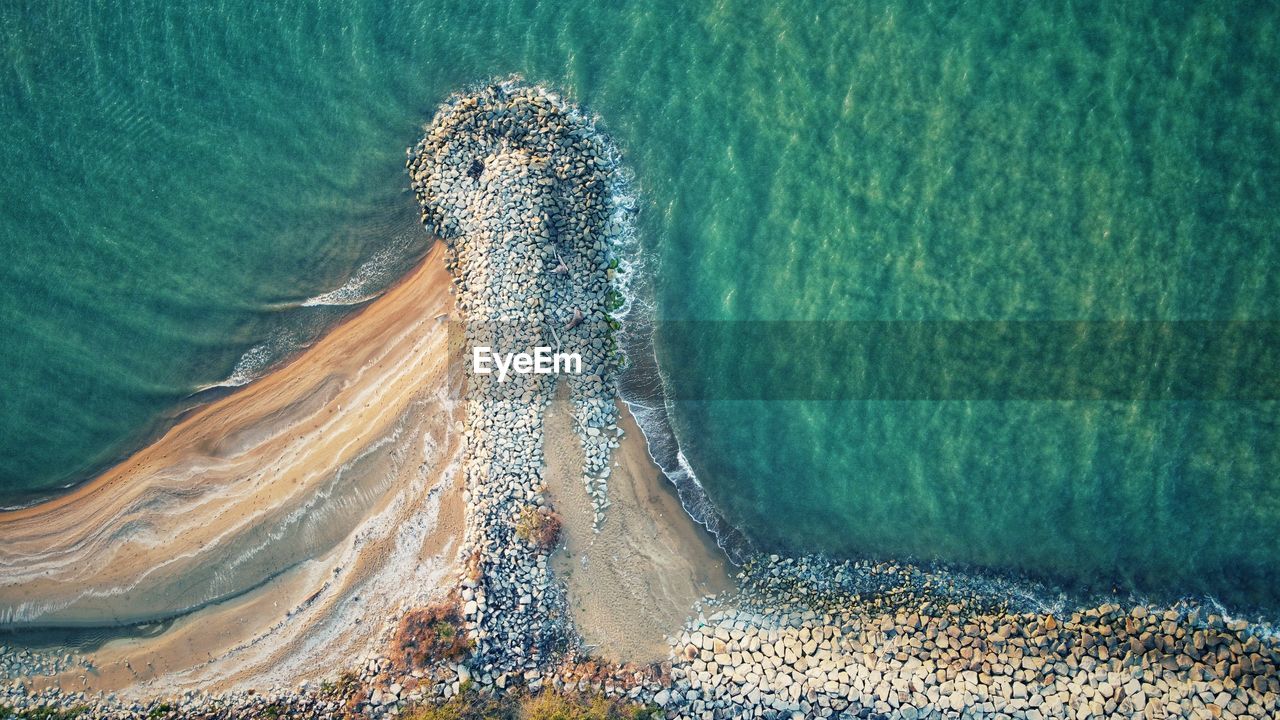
310, 506
284, 529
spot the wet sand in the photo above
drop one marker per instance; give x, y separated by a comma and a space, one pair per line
633, 584
309, 508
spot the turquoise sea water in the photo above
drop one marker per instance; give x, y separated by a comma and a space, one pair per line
179, 178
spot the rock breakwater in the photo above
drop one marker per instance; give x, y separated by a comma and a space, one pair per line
517, 183
812, 638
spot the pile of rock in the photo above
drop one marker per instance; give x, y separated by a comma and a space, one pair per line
18, 701
797, 645
384, 689
517, 183
19, 662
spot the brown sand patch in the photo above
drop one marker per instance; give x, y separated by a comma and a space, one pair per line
649, 563
332, 479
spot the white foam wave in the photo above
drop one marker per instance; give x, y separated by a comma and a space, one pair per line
369, 280
255, 362
631, 279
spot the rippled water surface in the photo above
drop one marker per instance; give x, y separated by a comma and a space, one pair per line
192, 190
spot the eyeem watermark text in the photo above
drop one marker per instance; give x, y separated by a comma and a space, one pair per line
484, 361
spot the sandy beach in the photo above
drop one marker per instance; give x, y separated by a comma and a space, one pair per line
632, 584
296, 515
301, 515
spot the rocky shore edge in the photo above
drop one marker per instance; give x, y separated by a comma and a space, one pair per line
804, 638
516, 182
811, 637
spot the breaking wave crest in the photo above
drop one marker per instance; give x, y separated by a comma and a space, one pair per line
371, 278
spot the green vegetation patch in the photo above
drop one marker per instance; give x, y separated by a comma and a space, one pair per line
539, 527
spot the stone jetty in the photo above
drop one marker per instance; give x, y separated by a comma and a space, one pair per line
518, 184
